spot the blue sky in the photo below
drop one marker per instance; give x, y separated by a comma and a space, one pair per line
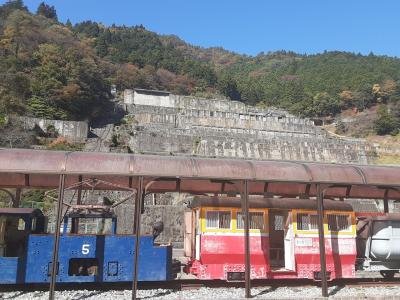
252, 26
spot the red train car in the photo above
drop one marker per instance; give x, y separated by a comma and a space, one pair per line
283, 238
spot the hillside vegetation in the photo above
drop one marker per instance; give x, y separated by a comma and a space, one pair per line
64, 71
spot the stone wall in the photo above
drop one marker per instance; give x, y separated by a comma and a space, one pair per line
277, 147
170, 215
185, 118
221, 128
73, 131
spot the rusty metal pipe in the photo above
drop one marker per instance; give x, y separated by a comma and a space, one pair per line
322, 255
46, 163
54, 261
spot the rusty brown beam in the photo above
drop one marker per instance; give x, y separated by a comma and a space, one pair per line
202, 186
35, 162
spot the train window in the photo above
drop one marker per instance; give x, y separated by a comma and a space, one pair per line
21, 224
339, 222
278, 222
313, 222
307, 222
256, 220
94, 225
218, 219
396, 206
83, 267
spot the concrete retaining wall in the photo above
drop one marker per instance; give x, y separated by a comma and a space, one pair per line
184, 118
279, 147
190, 131
74, 131
165, 99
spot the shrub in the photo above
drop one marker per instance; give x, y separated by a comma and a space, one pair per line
386, 123
62, 144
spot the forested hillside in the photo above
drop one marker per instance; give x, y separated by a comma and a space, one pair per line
64, 71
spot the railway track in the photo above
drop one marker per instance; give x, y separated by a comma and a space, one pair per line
193, 284
365, 282
104, 135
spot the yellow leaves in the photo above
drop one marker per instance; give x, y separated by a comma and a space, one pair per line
384, 90
8, 42
346, 96
376, 89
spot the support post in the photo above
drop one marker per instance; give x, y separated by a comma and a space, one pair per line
322, 255
386, 202
54, 261
136, 231
75, 221
245, 209
79, 197
17, 199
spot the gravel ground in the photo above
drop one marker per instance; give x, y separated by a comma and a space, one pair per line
389, 292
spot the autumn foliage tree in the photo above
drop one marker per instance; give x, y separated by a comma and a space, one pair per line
386, 123
65, 85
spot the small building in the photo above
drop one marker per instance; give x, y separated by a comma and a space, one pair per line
148, 97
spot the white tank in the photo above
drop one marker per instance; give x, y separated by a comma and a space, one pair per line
385, 240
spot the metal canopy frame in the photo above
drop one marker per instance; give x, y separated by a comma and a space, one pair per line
157, 174
78, 186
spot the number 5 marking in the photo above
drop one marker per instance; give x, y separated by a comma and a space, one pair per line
85, 249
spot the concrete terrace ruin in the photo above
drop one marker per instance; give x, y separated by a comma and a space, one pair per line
164, 123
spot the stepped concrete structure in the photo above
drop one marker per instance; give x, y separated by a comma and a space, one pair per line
163, 123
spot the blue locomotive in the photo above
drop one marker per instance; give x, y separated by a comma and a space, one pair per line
26, 250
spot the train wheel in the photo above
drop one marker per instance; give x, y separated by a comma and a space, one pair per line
387, 274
